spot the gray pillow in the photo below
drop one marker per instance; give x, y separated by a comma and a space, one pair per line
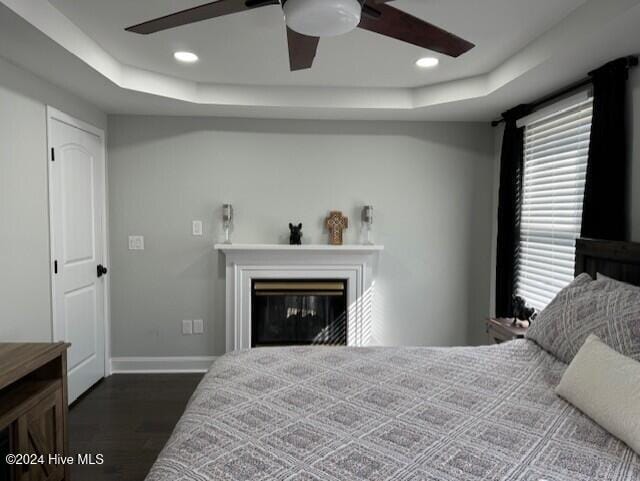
616, 282
585, 307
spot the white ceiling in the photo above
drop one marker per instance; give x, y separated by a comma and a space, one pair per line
525, 49
250, 47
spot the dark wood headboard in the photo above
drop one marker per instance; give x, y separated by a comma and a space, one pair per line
619, 260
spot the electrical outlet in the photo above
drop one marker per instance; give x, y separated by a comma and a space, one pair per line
187, 328
196, 227
136, 243
198, 326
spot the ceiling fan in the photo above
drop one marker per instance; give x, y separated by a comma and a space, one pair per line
308, 20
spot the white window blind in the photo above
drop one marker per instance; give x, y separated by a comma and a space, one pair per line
556, 148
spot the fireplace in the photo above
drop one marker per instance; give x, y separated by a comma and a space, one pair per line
352, 265
298, 311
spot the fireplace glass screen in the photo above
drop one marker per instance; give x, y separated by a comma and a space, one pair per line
298, 312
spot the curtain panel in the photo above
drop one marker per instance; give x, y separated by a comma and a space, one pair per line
509, 202
605, 214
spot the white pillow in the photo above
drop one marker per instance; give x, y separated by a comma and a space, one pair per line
605, 385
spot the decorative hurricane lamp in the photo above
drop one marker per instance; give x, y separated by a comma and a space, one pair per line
367, 221
227, 221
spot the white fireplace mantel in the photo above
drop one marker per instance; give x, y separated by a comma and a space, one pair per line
349, 249
246, 262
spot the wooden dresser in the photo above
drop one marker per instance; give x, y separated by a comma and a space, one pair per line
33, 408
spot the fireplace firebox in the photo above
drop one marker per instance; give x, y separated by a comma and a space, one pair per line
298, 311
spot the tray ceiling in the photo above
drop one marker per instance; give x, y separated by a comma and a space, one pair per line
525, 49
250, 47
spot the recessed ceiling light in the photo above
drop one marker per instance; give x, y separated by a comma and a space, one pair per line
427, 62
187, 57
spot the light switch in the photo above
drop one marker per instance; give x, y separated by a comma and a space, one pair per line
196, 227
136, 243
187, 327
198, 326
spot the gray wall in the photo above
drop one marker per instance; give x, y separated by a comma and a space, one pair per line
25, 296
430, 184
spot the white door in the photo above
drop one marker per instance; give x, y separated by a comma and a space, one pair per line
77, 202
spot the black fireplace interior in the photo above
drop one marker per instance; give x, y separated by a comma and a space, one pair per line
298, 311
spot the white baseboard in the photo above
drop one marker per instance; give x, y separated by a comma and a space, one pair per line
156, 365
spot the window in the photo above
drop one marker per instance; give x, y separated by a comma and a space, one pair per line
556, 148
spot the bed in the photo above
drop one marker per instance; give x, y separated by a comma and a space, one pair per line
428, 414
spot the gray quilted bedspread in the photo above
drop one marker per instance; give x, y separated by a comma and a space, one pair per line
436, 414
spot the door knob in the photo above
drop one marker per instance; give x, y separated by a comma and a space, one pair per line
101, 270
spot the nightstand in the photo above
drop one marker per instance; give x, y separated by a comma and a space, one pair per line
501, 329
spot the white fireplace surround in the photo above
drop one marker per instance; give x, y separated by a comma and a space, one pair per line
246, 262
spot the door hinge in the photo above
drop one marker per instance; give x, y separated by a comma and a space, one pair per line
55, 267
53, 155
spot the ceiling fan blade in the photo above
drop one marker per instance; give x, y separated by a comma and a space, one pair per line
197, 14
302, 50
391, 22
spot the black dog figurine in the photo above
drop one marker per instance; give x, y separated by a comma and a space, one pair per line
296, 234
521, 311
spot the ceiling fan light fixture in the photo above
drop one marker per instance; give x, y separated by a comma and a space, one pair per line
186, 57
322, 18
427, 62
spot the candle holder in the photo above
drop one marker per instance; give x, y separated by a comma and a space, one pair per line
227, 221
367, 222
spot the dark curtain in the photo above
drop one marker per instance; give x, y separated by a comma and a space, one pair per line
605, 212
509, 201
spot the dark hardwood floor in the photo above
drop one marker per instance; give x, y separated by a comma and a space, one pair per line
127, 418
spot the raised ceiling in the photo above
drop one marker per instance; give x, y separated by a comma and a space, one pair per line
249, 48
524, 49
